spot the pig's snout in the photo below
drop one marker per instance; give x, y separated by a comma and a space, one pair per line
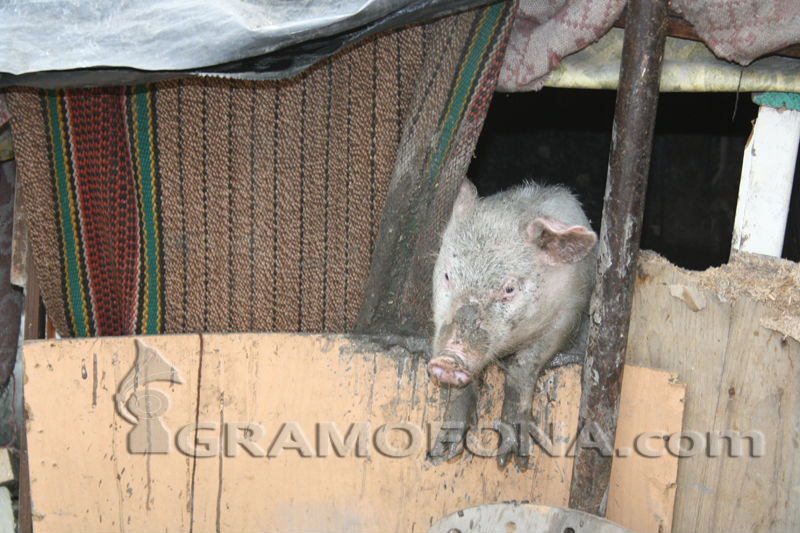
458, 345
449, 368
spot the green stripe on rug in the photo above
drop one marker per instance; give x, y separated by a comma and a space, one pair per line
460, 95
141, 105
490, 19
68, 220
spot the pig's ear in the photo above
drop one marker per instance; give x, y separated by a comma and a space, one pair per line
560, 243
467, 195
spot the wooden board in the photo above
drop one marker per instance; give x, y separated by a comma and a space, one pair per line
641, 492
740, 377
289, 388
84, 478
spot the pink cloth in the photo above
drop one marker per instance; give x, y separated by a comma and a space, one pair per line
546, 30
743, 30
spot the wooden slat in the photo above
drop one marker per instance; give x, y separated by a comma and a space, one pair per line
85, 479
679, 27
618, 243
740, 376
641, 493
34, 312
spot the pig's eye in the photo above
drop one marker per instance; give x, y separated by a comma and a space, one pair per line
509, 289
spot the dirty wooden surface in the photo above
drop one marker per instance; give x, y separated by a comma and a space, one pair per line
641, 492
740, 376
84, 478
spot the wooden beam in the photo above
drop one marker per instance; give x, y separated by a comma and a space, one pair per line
679, 27
34, 309
620, 231
33, 329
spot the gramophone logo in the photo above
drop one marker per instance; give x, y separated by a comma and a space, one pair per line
143, 406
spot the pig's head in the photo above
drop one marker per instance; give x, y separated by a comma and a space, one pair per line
510, 267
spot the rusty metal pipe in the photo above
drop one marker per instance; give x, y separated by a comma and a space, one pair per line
620, 231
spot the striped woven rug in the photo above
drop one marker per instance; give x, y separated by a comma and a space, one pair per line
220, 205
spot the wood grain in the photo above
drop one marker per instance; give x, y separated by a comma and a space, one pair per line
739, 377
84, 477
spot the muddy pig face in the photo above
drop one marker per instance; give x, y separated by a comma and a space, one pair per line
508, 269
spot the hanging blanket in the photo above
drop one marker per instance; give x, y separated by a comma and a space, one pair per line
547, 30
215, 205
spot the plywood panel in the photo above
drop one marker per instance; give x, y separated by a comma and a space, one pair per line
260, 403
641, 492
85, 478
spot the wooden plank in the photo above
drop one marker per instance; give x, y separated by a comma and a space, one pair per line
84, 477
677, 26
24, 510
766, 183
34, 310
641, 493
741, 377
32, 329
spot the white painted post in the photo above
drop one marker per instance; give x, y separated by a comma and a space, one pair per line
766, 184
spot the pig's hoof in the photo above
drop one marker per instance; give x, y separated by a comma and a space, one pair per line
522, 462
441, 452
504, 458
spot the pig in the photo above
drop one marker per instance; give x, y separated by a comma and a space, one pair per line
511, 284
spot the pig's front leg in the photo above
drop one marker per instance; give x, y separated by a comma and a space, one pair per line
521, 375
459, 414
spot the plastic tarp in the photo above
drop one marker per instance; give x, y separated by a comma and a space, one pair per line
58, 43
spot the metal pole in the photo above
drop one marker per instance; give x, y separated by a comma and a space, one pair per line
620, 231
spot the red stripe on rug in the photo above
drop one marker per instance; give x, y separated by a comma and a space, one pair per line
108, 214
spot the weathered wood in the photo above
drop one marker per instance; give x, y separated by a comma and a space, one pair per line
739, 361
34, 310
33, 329
24, 509
641, 492
85, 476
677, 26
85, 479
618, 246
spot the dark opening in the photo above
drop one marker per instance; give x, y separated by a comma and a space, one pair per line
564, 135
